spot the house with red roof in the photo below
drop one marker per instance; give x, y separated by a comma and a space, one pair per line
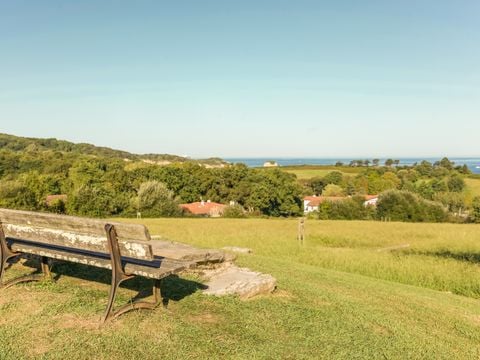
204, 208
311, 203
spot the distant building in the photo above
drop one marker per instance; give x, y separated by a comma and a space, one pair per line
371, 200
311, 203
270, 164
204, 208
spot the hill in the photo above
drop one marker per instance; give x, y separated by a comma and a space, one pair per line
19, 144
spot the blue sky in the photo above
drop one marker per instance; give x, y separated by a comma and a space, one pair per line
269, 78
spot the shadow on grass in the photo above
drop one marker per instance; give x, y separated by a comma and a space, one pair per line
172, 287
473, 258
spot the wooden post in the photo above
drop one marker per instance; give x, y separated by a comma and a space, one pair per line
301, 230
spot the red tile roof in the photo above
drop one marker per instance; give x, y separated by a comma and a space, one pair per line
317, 200
204, 208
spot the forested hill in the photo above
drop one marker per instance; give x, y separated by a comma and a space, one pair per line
82, 179
20, 144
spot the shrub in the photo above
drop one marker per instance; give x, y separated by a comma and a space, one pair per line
475, 215
234, 211
347, 209
156, 200
407, 206
333, 190
456, 184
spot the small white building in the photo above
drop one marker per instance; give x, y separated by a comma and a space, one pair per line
371, 200
270, 164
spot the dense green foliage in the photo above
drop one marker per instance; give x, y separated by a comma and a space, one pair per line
422, 192
98, 185
409, 207
104, 182
348, 209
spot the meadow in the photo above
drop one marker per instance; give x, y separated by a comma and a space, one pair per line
309, 171
366, 290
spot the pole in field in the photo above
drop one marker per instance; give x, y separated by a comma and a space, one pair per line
301, 230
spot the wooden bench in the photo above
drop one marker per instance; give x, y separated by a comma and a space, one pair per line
126, 249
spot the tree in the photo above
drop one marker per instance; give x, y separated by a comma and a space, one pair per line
317, 184
334, 177
396, 162
476, 209
375, 162
446, 163
456, 184
389, 162
156, 200
333, 190
406, 206
347, 209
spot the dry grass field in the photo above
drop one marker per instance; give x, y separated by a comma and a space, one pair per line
366, 290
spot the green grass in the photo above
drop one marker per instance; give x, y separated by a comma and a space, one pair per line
338, 297
473, 185
306, 172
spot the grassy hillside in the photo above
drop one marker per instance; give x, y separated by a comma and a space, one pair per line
20, 144
344, 294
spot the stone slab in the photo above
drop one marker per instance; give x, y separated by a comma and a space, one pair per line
179, 251
233, 280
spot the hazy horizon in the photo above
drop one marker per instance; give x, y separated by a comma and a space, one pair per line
309, 79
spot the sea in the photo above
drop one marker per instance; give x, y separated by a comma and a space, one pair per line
472, 163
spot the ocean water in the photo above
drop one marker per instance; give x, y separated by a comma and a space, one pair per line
472, 163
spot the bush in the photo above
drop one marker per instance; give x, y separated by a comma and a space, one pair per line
156, 200
456, 184
409, 207
475, 215
347, 209
234, 211
333, 190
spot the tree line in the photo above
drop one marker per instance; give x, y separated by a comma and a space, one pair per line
101, 186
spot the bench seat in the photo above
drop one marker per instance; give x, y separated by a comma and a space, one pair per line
157, 268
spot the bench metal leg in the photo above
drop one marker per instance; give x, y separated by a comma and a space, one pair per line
119, 276
44, 275
5, 254
110, 313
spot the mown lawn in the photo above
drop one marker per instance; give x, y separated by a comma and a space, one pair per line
353, 290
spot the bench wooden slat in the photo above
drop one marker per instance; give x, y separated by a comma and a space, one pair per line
74, 232
73, 224
156, 269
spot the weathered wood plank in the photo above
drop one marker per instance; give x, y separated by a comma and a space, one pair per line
73, 223
178, 251
156, 269
133, 249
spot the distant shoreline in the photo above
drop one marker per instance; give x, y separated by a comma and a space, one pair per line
472, 163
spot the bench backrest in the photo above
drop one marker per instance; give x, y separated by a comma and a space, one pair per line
75, 232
